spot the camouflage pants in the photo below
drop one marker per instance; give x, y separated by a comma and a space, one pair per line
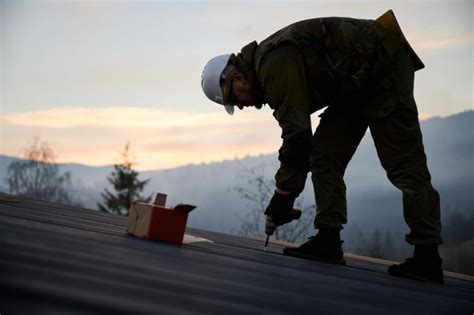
392, 118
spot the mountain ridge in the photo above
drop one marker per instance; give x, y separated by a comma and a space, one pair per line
449, 144
466, 115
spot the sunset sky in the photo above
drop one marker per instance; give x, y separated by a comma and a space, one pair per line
88, 76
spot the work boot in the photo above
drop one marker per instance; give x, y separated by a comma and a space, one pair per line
425, 265
324, 246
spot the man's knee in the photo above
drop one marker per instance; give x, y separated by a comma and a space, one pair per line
407, 169
325, 164
327, 176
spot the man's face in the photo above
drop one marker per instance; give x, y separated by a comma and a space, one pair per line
239, 91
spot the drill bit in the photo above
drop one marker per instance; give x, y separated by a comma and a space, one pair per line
270, 227
266, 243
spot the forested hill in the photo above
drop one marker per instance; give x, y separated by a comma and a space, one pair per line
373, 201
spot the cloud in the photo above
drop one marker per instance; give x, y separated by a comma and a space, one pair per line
160, 138
424, 116
120, 117
441, 43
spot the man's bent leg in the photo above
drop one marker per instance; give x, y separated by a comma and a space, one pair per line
399, 144
334, 143
400, 148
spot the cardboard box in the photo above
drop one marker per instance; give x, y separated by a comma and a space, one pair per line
156, 222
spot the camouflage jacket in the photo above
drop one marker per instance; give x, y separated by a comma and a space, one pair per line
312, 64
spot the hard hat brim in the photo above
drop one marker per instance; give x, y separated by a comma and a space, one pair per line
226, 88
229, 109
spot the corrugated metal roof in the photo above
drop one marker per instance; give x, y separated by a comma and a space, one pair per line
58, 259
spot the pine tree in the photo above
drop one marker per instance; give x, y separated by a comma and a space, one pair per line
388, 245
127, 187
375, 248
356, 240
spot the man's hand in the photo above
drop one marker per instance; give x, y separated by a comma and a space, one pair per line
280, 211
270, 227
279, 208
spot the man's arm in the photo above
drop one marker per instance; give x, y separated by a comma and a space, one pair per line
283, 78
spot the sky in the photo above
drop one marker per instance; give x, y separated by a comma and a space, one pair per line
90, 76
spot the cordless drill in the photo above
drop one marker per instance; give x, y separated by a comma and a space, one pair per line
270, 227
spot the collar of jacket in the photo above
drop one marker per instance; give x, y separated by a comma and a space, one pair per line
245, 61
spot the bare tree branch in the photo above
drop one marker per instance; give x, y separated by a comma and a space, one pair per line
257, 193
38, 176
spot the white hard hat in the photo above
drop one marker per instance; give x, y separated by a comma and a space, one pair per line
211, 80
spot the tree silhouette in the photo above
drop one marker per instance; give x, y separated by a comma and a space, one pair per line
354, 239
388, 245
375, 248
38, 177
257, 193
126, 186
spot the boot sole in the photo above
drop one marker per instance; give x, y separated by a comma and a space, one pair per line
397, 272
289, 252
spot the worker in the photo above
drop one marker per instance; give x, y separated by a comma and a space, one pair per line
362, 71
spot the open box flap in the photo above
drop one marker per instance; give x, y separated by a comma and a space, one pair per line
184, 207
139, 218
